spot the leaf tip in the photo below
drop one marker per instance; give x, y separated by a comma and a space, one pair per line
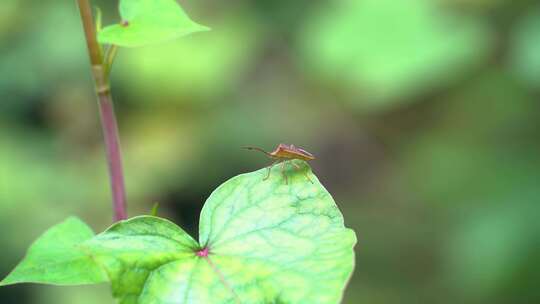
155, 209
203, 28
99, 18
72, 218
8, 280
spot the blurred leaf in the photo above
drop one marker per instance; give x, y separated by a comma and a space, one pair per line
388, 50
262, 241
8, 16
494, 248
56, 258
198, 69
147, 22
85, 294
28, 75
32, 158
470, 149
525, 56
159, 150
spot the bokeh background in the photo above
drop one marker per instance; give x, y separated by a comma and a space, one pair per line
424, 115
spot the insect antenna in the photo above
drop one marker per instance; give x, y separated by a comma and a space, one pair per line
260, 150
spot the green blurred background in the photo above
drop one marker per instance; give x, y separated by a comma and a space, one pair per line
424, 115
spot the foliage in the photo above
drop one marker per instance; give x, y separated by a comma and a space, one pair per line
525, 56
442, 181
57, 258
260, 242
394, 50
148, 22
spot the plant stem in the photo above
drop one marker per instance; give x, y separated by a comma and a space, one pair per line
108, 118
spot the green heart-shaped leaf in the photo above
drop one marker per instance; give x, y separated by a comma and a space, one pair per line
147, 22
57, 258
260, 242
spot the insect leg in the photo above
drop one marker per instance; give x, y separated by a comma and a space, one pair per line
299, 168
270, 169
283, 172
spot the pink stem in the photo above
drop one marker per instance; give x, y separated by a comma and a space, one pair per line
108, 118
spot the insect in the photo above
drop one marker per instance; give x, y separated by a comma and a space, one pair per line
282, 154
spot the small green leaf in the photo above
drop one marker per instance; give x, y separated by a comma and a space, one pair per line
261, 242
155, 209
147, 22
99, 19
57, 258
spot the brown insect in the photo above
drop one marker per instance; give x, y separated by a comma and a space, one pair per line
284, 153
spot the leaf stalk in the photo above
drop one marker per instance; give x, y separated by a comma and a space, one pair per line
100, 73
